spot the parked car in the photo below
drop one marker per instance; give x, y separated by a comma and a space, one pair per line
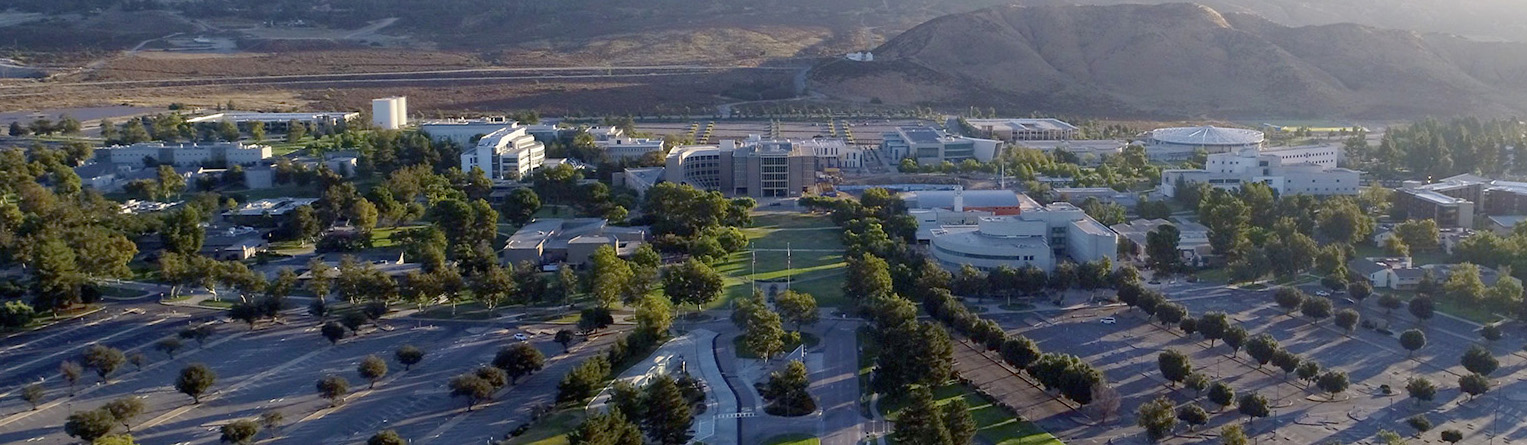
1109, 320
520, 336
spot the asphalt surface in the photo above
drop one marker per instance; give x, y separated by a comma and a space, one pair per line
1126, 351
275, 367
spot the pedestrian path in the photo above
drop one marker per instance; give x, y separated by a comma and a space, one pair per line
693, 352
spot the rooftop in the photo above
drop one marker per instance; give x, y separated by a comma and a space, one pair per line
922, 135
1024, 124
933, 199
1435, 197
1207, 135
250, 116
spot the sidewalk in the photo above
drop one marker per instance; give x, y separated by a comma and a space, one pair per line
695, 351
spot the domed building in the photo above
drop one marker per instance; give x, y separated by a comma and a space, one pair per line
1179, 143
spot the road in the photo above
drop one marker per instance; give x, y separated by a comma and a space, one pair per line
467, 73
836, 384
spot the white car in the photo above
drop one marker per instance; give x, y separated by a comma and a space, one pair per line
520, 336
1322, 293
1109, 320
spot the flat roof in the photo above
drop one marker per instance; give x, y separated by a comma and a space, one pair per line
972, 198
1027, 124
921, 135
1093, 227
1435, 197
240, 116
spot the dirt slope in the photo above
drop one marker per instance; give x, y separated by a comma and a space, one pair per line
1180, 60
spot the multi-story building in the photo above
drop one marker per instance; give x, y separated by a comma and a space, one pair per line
1230, 170
1039, 237
508, 153
620, 148
464, 132
754, 167
928, 145
223, 153
1013, 130
1448, 211
1457, 195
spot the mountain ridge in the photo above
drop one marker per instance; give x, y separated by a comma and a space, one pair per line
1181, 60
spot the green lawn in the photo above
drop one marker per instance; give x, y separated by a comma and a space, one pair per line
220, 304
382, 237
551, 430
815, 272
117, 292
995, 424
464, 311
789, 220
793, 439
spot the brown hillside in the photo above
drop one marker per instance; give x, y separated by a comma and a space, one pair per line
1180, 60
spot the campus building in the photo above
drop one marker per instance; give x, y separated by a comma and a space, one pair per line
993, 202
464, 132
1013, 130
223, 153
931, 146
621, 148
1041, 237
571, 241
1179, 143
1230, 170
1192, 241
754, 167
277, 122
508, 153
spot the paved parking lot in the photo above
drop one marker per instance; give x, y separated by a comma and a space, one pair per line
275, 367
1127, 351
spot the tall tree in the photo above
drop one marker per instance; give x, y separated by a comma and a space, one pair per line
692, 282
1158, 417
668, 414
194, 380
519, 360
920, 422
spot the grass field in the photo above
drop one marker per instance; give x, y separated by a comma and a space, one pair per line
817, 270
551, 431
994, 424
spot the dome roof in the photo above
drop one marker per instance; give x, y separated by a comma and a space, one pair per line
1207, 135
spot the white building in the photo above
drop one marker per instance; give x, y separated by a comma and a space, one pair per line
464, 131
505, 154
1179, 143
928, 145
277, 121
1040, 237
1192, 241
389, 113
1013, 130
620, 148
1230, 170
225, 153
